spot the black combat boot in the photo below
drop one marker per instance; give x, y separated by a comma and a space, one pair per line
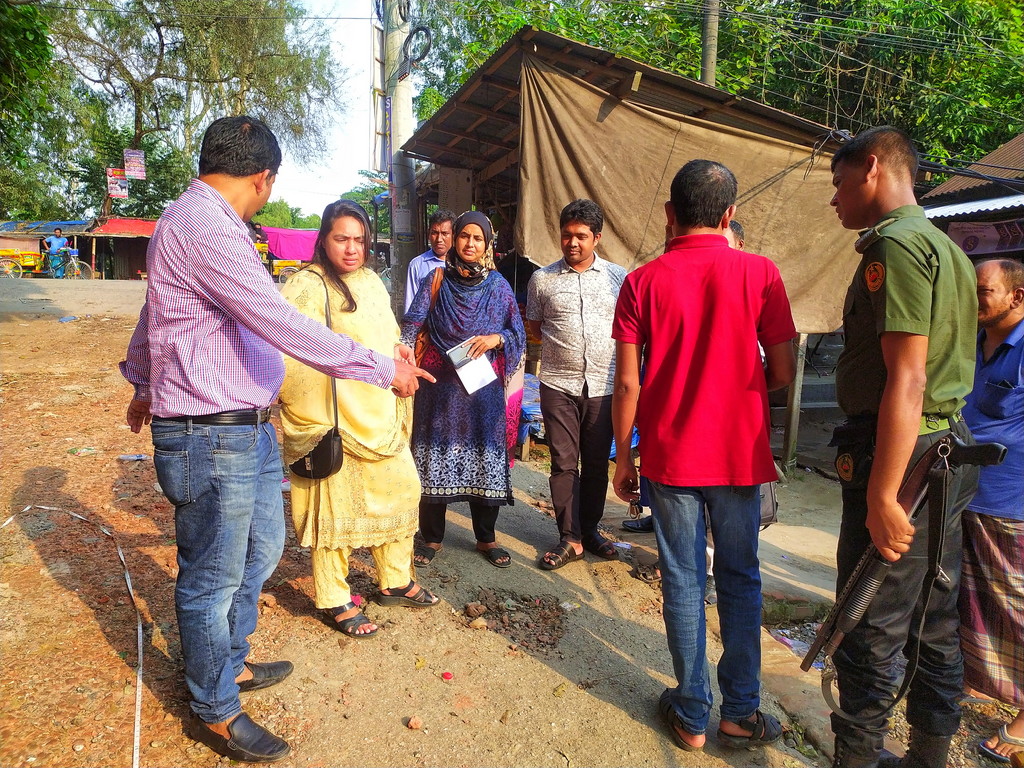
848, 757
925, 751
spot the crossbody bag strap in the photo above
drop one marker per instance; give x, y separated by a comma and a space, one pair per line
327, 318
435, 285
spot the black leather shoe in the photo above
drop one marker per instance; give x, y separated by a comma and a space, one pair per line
249, 742
265, 675
640, 525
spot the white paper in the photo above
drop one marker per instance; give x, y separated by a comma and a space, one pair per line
475, 373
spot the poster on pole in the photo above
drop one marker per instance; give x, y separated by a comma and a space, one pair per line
135, 164
387, 138
117, 183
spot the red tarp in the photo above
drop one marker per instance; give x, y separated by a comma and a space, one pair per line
126, 228
291, 243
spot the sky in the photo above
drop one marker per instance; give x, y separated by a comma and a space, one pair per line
348, 22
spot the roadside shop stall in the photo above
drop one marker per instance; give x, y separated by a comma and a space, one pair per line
21, 245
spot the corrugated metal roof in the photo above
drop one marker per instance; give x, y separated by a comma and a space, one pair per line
1006, 162
125, 228
990, 205
42, 228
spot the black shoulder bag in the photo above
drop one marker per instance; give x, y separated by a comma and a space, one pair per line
327, 457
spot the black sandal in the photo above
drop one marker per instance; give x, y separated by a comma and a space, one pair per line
352, 623
600, 546
425, 553
563, 554
495, 555
671, 719
765, 729
422, 599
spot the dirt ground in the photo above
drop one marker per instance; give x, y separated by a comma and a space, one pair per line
566, 670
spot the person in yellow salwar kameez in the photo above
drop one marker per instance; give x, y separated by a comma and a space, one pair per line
372, 501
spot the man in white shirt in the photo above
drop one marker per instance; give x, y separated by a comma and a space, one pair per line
570, 305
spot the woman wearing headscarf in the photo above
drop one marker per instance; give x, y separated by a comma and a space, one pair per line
462, 443
372, 500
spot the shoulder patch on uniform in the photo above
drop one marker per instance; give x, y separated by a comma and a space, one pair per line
844, 466
874, 275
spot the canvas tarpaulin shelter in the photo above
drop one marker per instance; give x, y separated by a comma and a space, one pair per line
579, 141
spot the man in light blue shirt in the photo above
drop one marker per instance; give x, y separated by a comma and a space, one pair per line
53, 244
992, 581
440, 237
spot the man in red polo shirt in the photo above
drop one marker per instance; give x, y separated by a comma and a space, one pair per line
695, 315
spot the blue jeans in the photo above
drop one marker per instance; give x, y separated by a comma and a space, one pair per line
679, 524
225, 485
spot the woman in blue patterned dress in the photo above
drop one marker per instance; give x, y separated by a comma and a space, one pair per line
462, 443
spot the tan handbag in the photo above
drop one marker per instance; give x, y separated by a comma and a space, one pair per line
423, 337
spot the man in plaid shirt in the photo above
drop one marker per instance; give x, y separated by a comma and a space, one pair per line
205, 360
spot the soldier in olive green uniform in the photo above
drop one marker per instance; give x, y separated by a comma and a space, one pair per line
910, 320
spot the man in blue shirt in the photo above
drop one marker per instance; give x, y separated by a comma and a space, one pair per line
55, 242
992, 585
53, 245
440, 237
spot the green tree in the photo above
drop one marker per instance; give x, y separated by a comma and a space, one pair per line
151, 75
167, 174
43, 184
172, 66
951, 72
278, 213
25, 56
364, 193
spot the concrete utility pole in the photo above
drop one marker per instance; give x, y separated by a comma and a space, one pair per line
709, 43
403, 172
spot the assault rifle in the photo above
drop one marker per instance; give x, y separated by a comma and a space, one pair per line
862, 586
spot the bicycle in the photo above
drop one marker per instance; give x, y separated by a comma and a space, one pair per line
10, 268
68, 266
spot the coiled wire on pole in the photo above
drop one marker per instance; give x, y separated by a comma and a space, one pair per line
419, 30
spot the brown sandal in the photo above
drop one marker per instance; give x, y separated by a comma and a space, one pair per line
561, 555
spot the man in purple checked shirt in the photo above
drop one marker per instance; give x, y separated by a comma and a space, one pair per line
205, 360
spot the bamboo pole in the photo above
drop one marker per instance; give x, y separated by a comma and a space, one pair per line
793, 410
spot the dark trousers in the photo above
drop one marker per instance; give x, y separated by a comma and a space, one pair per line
865, 661
432, 519
579, 433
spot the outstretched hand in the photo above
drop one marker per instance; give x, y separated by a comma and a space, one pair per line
407, 379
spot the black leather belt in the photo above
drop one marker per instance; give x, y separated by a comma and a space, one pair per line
226, 418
